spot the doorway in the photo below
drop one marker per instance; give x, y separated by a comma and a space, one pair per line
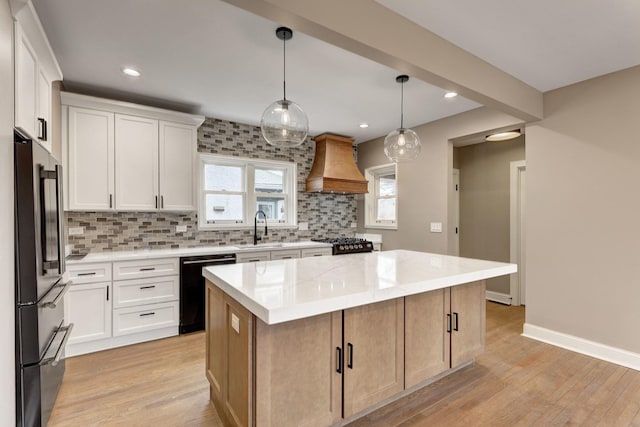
517, 182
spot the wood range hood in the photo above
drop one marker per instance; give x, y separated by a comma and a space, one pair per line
334, 169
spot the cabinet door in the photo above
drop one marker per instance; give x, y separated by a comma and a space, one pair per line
177, 160
215, 326
298, 379
136, 163
427, 342
26, 84
91, 159
374, 354
43, 126
88, 307
285, 254
468, 310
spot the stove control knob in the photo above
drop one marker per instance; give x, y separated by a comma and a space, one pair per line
341, 248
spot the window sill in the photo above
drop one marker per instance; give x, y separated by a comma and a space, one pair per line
245, 227
382, 226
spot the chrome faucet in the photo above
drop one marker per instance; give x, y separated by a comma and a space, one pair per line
255, 226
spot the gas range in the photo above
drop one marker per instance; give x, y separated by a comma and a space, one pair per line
347, 245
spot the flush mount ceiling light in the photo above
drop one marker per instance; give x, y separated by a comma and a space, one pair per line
450, 94
402, 144
364, 125
131, 72
284, 123
503, 136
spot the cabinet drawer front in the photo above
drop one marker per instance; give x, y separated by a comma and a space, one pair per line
140, 269
316, 252
89, 273
144, 318
127, 293
253, 257
287, 254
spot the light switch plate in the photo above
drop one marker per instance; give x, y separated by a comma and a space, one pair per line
181, 228
75, 231
303, 226
235, 323
436, 227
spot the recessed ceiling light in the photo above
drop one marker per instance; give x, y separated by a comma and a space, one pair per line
364, 125
450, 95
503, 136
131, 72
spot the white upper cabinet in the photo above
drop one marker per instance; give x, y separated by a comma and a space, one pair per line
91, 152
178, 146
35, 68
127, 157
136, 163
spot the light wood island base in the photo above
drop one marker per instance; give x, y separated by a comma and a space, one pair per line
330, 369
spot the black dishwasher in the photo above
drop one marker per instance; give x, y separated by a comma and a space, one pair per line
192, 288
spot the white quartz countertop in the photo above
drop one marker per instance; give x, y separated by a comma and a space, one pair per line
180, 252
283, 290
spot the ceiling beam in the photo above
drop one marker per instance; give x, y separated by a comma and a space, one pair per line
369, 29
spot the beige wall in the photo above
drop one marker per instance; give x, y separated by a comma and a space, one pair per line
423, 185
583, 204
7, 299
484, 202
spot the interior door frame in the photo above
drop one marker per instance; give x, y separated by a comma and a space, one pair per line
516, 232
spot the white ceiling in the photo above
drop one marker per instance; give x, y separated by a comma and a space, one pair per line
211, 58
545, 43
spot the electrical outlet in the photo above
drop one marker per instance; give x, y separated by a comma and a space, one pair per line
75, 231
303, 226
181, 228
354, 225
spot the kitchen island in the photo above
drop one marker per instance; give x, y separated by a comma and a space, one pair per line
322, 341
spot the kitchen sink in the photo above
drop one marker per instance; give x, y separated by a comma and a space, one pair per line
261, 246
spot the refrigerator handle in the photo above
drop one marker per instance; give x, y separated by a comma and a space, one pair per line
59, 263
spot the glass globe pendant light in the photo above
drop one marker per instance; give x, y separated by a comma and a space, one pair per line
402, 144
284, 123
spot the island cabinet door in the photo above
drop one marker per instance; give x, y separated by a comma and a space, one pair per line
468, 318
426, 338
298, 382
374, 354
215, 326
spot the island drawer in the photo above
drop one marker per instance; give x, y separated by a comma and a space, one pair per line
89, 273
140, 269
131, 320
127, 293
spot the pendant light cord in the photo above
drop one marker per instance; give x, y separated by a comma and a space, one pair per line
402, 106
284, 68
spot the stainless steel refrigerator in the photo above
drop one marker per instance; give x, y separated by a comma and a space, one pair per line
41, 332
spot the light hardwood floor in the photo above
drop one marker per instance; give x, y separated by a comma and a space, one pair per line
517, 381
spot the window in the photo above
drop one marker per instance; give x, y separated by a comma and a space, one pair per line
381, 202
232, 189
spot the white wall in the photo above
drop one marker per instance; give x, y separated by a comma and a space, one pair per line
583, 205
7, 348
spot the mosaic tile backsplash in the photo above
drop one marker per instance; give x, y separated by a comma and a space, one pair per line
328, 215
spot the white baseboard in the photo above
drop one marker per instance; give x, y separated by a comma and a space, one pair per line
499, 297
580, 345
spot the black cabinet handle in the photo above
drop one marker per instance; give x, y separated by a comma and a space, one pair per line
339, 360
455, 318
156, 202
42, 132
107, 293
148, 287
448, 323
162, 202
350, 362
110, 201
148, 269
93, 273
147, 314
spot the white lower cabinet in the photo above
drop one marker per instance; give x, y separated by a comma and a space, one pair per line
253, 256
143, 318
88, 307
309, 252
285, 254
111, 313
